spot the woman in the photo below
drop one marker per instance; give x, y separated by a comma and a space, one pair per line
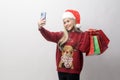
71, 43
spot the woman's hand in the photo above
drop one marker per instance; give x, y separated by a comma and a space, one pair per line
41, 23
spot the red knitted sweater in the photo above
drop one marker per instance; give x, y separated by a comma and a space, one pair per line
70, 59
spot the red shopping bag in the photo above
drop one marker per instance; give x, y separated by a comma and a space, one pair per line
103, 36
100, 42
103, 40
91, 51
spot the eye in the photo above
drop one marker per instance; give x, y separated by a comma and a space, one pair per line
64, 22
68, 21
71, 52
66, 51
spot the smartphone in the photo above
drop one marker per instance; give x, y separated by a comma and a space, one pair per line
43, 15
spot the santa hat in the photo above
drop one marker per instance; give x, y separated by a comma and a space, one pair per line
72, 14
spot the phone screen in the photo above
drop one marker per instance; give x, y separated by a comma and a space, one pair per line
43, 15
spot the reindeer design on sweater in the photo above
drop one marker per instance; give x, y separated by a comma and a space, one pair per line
67, 57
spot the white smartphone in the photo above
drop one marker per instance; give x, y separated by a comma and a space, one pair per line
43, 15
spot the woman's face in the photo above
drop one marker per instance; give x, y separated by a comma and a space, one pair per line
69, 24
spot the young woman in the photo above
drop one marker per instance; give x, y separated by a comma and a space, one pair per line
71, 44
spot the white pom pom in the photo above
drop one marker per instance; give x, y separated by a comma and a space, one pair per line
78, 25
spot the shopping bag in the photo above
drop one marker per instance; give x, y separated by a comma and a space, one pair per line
103, 36
103, 40
96, 45
100, 42
91, 51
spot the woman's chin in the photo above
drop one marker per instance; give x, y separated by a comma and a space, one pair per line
68, 29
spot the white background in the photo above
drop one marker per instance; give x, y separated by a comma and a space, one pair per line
26, 55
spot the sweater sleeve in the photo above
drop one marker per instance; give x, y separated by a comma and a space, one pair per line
84, 44
51, 36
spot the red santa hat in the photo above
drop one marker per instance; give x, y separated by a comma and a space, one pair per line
72, 14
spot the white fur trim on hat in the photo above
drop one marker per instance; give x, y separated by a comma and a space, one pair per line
68, 15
